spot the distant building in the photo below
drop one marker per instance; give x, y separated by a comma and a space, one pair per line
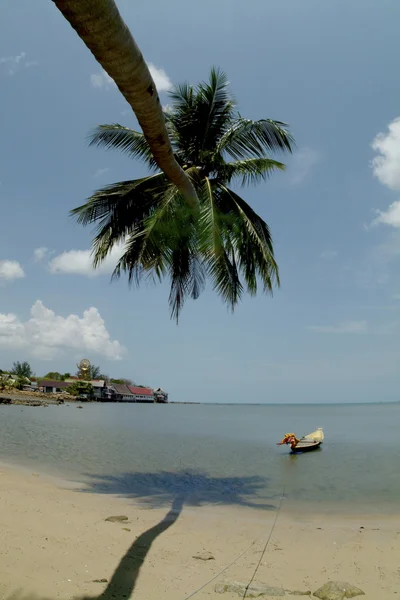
142, 394
98, 386
119, 392
50, 386
116, 392
160, 396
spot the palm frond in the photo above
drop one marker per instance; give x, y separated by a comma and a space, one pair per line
165, 244
214, 109
122, 138
187, 274
252, 241
249, 170
200, 116
119, 209
247, 137
146, 250
182, 96
216, 248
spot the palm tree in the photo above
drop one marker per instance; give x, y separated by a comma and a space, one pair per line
224, 239
101, 27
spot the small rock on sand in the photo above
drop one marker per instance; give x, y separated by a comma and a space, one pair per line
204, 556
254, 590
337, 590
117, 519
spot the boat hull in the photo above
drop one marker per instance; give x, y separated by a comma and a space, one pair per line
306, 446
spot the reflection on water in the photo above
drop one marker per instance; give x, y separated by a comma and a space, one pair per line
213, 454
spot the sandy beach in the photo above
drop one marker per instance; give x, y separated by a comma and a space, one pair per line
55, 542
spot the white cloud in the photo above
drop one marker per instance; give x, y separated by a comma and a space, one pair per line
16, 62
347, 327
46, 335
80, 262
302, 164
101, 172
328, 254
103, 81
40, 253
161, 79
386, 166
11, 269
391, 216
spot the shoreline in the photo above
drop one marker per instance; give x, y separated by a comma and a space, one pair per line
18, 397
56, 542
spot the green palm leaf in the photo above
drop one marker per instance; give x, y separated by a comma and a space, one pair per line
122, 138
254, 247
248, 171
119, 209
214, 109
216, 247
255, 137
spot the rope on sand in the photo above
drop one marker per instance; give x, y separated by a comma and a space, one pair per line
242, 554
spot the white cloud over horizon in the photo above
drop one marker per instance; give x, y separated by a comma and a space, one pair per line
46, 335
11, 269
102, 80
80, 262
304, 160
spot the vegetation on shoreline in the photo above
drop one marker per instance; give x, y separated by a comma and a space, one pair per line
21, 373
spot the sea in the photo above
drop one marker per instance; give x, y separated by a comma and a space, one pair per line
223, 455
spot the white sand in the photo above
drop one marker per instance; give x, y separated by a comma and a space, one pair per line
54, 542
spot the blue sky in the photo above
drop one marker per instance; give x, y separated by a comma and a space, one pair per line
329, 69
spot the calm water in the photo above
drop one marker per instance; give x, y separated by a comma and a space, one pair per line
214, 454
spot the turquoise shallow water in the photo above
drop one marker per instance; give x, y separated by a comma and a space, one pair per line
214, 454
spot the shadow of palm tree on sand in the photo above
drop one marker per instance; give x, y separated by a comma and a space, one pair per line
123, 581
159, 489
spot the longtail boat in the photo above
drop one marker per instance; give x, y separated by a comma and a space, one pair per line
309, 442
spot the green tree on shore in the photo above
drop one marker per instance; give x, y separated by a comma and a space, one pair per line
223, 239
79, 388
22, 369
54, 376
122, 380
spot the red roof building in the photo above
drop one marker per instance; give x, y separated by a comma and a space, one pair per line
141, 391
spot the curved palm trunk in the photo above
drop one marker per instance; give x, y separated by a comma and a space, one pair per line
100, 26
